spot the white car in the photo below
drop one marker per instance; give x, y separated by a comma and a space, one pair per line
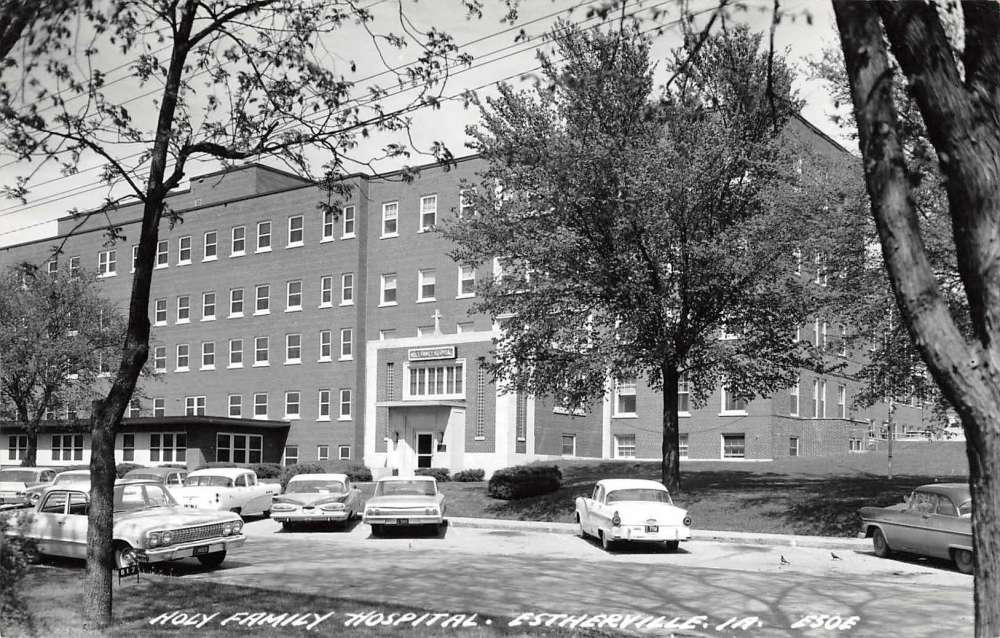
229, 489
16, 484
312, 498
405, 501
632, 510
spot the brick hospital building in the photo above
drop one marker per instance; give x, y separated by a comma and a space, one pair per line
283, 334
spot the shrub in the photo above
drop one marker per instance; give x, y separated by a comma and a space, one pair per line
205, 466
358, 473
300, 468
468, 476
124, 468
524, 480
267, 470
16, 554
440, 474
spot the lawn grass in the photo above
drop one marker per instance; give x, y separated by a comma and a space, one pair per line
53, 598
815, 496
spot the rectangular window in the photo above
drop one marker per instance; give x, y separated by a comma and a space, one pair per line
239, 244
327, 226
160, 312
465, 205
128, 448
236, 406
325, 345
343, 452
390, 219
208, 355
816, 332
74, 265
52, 265
793, 399
263, 237
480, 401
428, 212
291, 405
107, 263
162, 254
183, 309
823, 340
842, 344
134, 408
625, 446
822, 399
466, 281
260, 405
347, 289
348, 214
235, 353
135, 260
159, 406
345, 404
731, 403
322, 452
168, 447
683, 396
346, 343
293, 348
625, 398
464, 326
238, 448
797, 256
236, 303
388, 290
67, 447
425, 331
208, 306
194, 406
294, 296
442, 381
569, 445
682, 446
294, 231
734, 446
211, 246
842, 401
325, 291
793, 446
183, 355
159, 359
263, 296
260, 354
184, 250
425, 285
291, 456
815, 399
324, 405
521, 418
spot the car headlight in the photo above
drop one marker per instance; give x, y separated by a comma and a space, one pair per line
373, 511
153, 539
329, 507
20, 494
166, 538
35, 497
687, 521
431, 511
282, 507
227, 529
616, 520
237, 526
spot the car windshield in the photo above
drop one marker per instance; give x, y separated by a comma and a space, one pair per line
408, 488
71, 478
145, 477
130, 498
314, 487
18, 476
209, 480
965, 508
639, 494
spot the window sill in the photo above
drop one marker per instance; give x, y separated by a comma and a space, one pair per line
348, 236
324, 360
182, 369
343, 418
242, 253
180, 321
161, 266
259, 417
261, 364
297, 244
322, 418
107, 274
426, 229
427, 300
350, 358
258, 313
160, 371
184, 263
734, 413
326, 305
467, 295
625, 415
389, 236
211, 367
326, 240
235, 315
209, 318
292, 417
683, 414
479, 438
294, 309
159, 323
346, 303
208, 259
234, 366
386, 304
293, 362
259, 250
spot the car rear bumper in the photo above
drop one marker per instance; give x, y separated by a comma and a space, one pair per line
638, 533
405, 519
310, 516
186, 550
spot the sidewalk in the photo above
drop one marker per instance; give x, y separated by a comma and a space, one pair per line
745, 538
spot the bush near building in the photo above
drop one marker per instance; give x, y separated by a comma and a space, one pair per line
469, 476
440, 474
524, 480
268, 470
300, 468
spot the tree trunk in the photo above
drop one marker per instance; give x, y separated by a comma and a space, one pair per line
100, 553
670, 468
983, 449
31, 452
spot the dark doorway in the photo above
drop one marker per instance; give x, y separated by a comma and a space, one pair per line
425, 449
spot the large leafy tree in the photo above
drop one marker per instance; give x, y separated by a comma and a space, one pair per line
224, 81
957, 92
57, 335
634, 233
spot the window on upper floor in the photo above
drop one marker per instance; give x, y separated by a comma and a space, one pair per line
263, 300
327, 226
390, 219
426, 280
388, 290
160, 312
295, 231
235, 353
208, 306
349, 222
347, 289
293, 348
208, 355
428, 212
325, 345
184, 250
732, 403
238, 247
260, 348
236, 302
162, 254
210, 250
183, 309
183, 358
465, 205
346, 343
625, 398
294, 296
107, 263
263, 236
466, 281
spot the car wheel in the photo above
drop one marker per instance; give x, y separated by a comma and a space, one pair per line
212, 560
672, 546
124, 555
376, 530
579, 521
266, 513
606, 542
963, 560
31, 554
287, 526
880, 544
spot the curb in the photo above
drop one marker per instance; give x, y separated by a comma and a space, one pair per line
744, 538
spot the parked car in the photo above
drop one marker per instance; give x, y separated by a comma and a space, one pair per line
229, 489
405, 501
169, 477
935, 520
16, 481
326, 498
69, 477
149, 526
632, 510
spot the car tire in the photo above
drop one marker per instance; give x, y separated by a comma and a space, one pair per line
287, 526
124, 555
882, 549
672, 546
212, 560
606, 542
266, 513
579, 521
963, 560
31, 554
377, 530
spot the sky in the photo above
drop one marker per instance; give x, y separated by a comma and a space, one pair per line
496, 56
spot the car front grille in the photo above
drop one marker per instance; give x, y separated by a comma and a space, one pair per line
190, 534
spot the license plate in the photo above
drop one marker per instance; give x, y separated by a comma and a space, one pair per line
652, 528
402, 521
201, 549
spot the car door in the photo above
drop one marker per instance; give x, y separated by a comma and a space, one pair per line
45, 524
74, 528
241, 495
589, 505
918, 533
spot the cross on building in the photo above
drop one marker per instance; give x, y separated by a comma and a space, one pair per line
437, 321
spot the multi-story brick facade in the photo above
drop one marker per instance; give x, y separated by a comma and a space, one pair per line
356, 330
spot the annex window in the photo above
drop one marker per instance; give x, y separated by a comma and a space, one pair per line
263, 237
236, 406
625, 398
842, 344
238, 448
345, 404
815, 399
327, 226
128, 448
260, 351
325, 345
135, 260
793, 399
324, 405
346, 344
734, 446
325, 291
183, 309
793, 446
208, 355
162, 254
293, 348
260, 405
159, 407
732, 403
842, 401
347, 289
466, 281
292, 404
160, 312
67, 447
263, 297
322, 452
239, 243
52, 265
159, 359
208, 306
624, 446
683, 449
388, 290
291, 455
74, 265
194, 406
184, 250
294, 296
428, 212
343, 452
235, 353
236, 303
17, 447
210, 250
168, 447
183, 358
569, 445
390, 219
294, 231
349, 222
465, 205
107, 263
441, 380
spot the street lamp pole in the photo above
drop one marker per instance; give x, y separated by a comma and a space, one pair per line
892, 408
